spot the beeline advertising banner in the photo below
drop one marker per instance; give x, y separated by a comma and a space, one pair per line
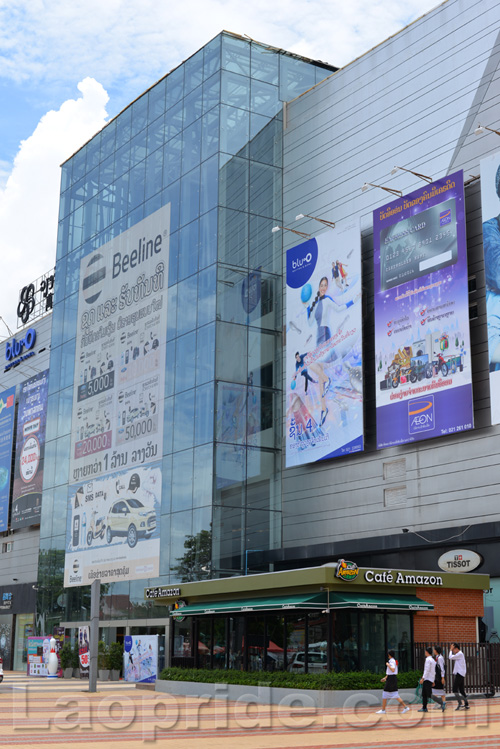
30, 449
114, 500
422, 346
7, 412
324, 389
490, 206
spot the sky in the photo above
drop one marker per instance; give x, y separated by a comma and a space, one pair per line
67, 68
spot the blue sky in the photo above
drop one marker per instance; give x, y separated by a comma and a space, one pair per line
66, 68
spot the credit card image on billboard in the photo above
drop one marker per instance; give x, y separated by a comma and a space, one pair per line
418, 245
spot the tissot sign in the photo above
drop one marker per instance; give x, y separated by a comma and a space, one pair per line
460, 560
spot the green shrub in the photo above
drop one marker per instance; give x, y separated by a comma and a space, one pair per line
116, 656
66, 656
353, 680
102, 656
75, 656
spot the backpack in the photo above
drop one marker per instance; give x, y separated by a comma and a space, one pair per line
438, 676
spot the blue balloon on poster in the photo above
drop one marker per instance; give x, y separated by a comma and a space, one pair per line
306, 293
292, 384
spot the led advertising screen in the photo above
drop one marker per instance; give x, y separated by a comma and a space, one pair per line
324, 382
113, 520
490, 206
7, 412
30, 449
422, 344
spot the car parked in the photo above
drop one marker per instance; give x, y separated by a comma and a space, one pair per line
316, 662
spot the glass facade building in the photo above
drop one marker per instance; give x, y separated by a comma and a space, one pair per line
206, 139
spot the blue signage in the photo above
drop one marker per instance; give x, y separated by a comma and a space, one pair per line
7, 411
17, 351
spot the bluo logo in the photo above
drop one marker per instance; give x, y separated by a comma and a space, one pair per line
14, 348
421, 415
296, 264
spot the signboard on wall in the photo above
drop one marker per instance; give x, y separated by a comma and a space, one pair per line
114, 496
422, 344
30, 449
490, 207
7, 412
324, 388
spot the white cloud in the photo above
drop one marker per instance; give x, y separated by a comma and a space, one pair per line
29, 202
122, 40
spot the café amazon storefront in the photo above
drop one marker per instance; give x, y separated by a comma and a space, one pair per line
336, 617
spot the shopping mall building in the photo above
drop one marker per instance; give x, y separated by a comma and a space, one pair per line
209, 419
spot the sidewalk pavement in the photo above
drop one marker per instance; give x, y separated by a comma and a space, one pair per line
54, 713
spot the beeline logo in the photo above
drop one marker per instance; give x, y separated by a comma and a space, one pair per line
296, 264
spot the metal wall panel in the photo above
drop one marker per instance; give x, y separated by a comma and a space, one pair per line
413, 101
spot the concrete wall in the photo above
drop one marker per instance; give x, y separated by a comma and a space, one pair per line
414, 101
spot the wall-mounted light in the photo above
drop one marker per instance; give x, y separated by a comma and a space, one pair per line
396, 169
387, 189
321, 220
480, 129
285, 228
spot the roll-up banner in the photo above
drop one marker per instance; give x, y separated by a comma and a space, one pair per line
422, 344
114, 497
324, 388
7, 412
30, 449
490, 207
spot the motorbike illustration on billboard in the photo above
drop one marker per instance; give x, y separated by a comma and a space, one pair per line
110, 520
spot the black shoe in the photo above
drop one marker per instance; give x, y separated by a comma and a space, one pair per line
459, 707
467, 707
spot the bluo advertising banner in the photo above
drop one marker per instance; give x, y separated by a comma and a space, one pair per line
324, 389
422, 345
7, 412
117, 421
490, 206
140, 658
30, 449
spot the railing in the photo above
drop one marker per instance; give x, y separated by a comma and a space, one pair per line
483, 665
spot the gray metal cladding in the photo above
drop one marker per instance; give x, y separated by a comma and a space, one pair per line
413, 101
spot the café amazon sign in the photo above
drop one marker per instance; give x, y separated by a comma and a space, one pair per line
349, 571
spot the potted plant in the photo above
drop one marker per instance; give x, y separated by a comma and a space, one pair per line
75, 661
66, 656
103, 660
115, 659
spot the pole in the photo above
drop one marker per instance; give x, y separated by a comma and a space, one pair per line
95, 595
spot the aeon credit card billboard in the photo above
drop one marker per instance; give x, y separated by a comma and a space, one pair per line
422, 344
114, 501
324, 387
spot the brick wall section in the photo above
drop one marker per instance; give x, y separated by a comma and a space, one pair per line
454, 616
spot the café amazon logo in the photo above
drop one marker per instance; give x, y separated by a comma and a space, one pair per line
347, 570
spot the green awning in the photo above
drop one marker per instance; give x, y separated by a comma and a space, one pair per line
376, 601
277, 603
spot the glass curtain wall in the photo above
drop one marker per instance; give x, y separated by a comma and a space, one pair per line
207, 140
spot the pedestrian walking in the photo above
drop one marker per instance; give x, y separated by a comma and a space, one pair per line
390, 682
427, 679
438, 691
459, 671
